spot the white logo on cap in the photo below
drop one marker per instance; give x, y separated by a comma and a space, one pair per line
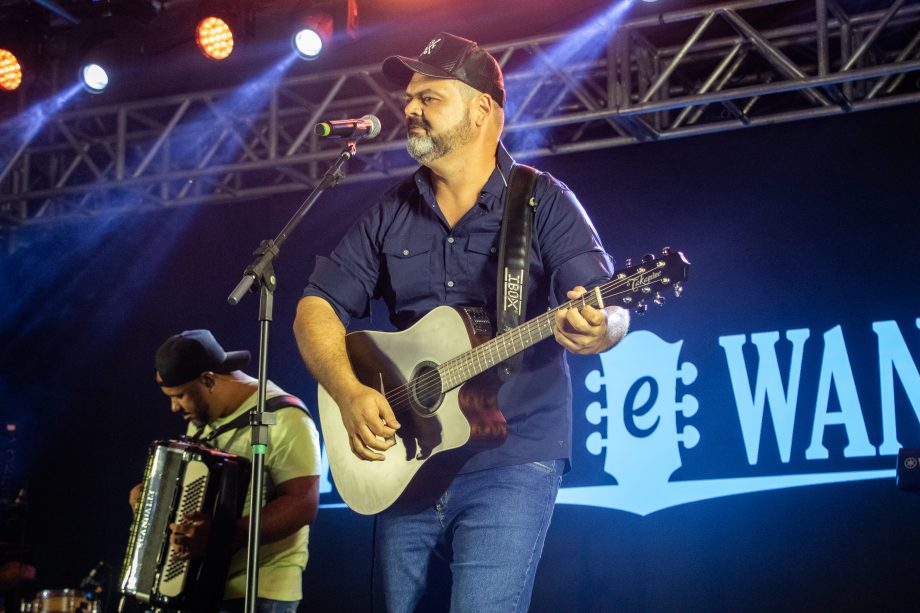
432, 46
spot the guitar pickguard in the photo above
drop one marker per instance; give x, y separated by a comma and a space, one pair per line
479, 322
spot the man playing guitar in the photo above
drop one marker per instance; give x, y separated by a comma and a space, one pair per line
430, 241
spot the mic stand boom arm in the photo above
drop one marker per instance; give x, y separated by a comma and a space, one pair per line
262, 274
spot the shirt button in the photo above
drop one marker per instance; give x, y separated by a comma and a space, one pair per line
450, 239
405, 252
450, 284
492, 250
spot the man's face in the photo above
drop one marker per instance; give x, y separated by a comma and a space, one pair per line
190, 400
437, 118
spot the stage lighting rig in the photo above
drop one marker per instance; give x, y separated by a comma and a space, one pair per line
214, 37
94, 76
10, 70
109, 48
98, 67
316, 26
220, 26
313, 34
21, 38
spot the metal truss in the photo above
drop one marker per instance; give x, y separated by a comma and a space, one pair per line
695, 71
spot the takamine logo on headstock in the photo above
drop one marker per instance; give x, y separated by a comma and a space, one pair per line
632, 286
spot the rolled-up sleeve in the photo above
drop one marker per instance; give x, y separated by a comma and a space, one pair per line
569, 245
347, 278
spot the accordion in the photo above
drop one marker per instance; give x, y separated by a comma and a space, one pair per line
182, 478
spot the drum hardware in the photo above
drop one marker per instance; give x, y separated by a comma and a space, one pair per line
62, 601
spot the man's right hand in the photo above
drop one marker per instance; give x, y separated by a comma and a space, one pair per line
366, 414
369, 421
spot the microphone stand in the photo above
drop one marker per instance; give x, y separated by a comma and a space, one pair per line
262, 274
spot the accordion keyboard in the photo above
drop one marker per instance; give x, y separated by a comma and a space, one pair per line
194, 486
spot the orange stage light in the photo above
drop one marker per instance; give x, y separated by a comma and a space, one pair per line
10, 71
214, 38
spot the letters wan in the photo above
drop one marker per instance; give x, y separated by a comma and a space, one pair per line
836, 371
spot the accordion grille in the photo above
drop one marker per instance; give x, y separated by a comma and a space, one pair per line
194, 487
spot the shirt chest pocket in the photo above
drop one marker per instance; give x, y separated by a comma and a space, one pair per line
408, 261
481, 258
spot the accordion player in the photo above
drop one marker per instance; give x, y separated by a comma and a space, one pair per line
181, 478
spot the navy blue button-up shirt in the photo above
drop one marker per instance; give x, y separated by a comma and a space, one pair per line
403, 251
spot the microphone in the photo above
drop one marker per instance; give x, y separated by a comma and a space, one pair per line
366, 127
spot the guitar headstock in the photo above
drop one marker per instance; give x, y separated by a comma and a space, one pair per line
634, 286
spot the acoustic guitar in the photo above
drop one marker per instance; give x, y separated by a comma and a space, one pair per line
437, 376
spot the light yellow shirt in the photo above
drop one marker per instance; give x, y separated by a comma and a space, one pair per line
293, 451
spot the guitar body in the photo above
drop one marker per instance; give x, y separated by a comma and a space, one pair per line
438, 432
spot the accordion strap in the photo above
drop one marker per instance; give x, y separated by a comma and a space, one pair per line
271, 405
514, 257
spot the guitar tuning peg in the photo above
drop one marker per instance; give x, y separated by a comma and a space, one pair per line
678, 289
659, 299
628, 262
641, 307
665, 250
648, 258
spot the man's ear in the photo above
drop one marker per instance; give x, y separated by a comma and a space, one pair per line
207, 379
484, 108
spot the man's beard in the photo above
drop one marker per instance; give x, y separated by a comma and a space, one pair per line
201, 415
426, 148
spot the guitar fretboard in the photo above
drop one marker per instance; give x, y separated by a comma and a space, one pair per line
460, 369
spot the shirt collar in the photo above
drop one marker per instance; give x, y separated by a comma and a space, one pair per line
493, 191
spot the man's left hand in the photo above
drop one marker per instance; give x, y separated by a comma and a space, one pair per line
588, 330
190, 537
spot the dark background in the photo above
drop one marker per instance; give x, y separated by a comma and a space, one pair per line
802, 225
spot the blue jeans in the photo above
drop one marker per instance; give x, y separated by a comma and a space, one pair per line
263, 605
477, 548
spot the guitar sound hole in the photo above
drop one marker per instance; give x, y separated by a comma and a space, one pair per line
426, 389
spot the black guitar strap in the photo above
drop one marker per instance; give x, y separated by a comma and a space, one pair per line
514, 257
271, 404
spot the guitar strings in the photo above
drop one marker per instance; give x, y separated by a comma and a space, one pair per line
433, 380
477, 360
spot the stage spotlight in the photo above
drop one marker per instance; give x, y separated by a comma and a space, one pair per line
10, 71
313, 35
106, 52
94, 78
220, 27
21, 39
100, 65
214, 38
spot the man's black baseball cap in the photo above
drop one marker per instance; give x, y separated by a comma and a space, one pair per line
448, 56
183, 357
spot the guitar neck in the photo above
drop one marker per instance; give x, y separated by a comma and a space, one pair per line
628, 288
464, 367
